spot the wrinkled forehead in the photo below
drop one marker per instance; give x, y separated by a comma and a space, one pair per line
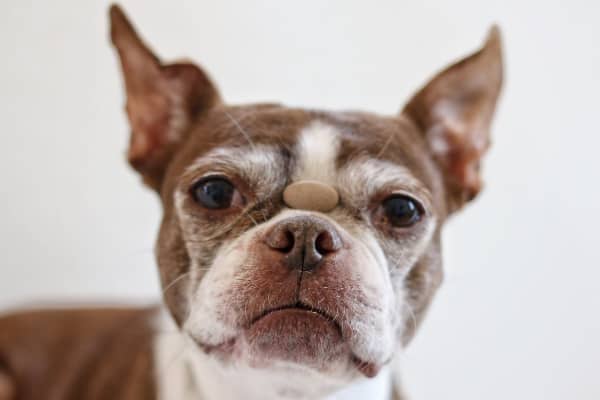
267, 146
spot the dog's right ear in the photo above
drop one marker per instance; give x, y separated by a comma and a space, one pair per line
162, 100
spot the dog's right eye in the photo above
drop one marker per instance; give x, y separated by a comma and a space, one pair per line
215, 193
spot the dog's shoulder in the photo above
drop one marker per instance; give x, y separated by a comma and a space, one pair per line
98, 353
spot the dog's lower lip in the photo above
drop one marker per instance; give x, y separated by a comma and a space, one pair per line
368, 369
298, 306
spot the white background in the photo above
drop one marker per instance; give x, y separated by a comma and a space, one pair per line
519, 314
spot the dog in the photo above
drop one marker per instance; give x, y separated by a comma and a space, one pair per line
298, 251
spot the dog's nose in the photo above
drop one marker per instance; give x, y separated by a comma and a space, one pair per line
304, 241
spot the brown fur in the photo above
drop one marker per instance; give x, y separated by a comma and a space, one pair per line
78, 354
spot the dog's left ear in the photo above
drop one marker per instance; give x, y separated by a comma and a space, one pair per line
454, 111
162, 100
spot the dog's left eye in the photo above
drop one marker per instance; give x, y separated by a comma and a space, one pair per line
215, 193
401, 211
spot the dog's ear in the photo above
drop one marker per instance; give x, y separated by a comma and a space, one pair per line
162, 100
454, 111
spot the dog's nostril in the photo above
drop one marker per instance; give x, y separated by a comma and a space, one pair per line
289, 242
325, 243
282, 240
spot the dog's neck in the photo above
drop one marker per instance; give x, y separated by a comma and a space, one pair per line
184, 372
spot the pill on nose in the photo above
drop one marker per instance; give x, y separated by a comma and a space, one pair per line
311, 195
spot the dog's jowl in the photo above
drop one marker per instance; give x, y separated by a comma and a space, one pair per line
298, 250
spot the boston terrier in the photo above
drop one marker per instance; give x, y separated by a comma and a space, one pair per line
298, 252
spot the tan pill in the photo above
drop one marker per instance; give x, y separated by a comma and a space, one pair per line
311, 195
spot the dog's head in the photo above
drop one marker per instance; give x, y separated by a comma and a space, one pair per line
302, 239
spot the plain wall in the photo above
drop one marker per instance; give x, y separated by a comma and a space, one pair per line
518, 315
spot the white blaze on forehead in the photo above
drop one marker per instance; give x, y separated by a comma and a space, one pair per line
316, 151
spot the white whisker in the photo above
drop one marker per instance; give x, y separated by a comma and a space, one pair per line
385, 146
239, 127
413, 317
251, 218
174, 281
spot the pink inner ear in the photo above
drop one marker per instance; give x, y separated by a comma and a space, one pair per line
161, 99
149, 119
458, 147
454, 111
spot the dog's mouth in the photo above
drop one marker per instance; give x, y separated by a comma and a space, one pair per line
295, 332
303, 333
300, 307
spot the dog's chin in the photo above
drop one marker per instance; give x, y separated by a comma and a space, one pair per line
294, 335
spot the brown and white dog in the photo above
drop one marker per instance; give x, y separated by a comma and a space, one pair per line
267, 297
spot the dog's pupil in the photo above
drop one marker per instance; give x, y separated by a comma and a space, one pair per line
401, 211
214, 193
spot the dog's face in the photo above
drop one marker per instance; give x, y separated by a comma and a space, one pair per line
270, 283
335, 290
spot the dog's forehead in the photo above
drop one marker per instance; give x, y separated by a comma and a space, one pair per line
314, 144
350, 133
